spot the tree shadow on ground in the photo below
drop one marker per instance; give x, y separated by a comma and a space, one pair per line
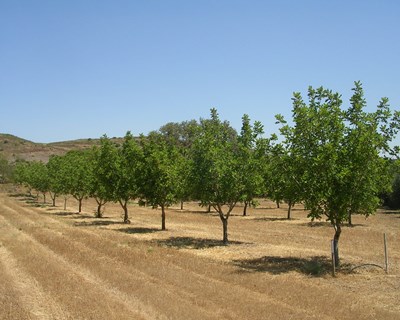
196, 211
95, 223
52, 208
23, 196
193, 243
205, 212
86, 216
265, 208
314, 266
327, 224
273, 219
138, 230
64, 213
390, 212
35, 203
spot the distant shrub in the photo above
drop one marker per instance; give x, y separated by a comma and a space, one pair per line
392, 200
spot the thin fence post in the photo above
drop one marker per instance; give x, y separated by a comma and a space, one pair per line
386, 254
333, 258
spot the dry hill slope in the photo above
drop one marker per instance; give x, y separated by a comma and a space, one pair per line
13, 148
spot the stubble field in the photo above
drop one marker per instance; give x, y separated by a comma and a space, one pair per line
57, 264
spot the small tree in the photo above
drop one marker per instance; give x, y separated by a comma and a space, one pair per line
76, 175
217, 174
180, 137
97, 190
118, 171
20, 175
57, 177
159, 174
38, 178
282, 177
250, 154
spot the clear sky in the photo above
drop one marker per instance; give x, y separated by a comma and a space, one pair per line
83, 68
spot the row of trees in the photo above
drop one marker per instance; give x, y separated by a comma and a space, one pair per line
335, 161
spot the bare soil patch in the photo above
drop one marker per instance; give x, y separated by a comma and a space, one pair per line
58, 264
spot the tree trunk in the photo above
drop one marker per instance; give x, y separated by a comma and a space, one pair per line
65, 203
289, 210
181, 204
350, 222
338, 231
44, 197
100, 204
209, 208
126, 217
245, 208
80, 205
124, 206
225, 229
98, 213
53, 198
163, 218
278, 204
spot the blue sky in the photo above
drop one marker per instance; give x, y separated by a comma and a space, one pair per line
81, 69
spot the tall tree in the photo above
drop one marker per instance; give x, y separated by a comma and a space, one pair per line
334, 149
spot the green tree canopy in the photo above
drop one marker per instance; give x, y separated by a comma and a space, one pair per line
338, 154
118, 171
217, 167
57, 176
76, 175
160, 172
250, 153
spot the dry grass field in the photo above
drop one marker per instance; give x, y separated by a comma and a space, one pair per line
57, 264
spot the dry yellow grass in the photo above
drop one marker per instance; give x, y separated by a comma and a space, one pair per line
57, 264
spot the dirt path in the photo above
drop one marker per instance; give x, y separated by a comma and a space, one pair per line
56, 265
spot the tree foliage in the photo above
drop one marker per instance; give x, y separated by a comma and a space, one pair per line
338, 154
160, 172
281, 177
97, 189
250, 156
118, 171
76, 175
58, 174
217, 166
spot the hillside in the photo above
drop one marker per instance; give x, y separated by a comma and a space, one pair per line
13, 148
